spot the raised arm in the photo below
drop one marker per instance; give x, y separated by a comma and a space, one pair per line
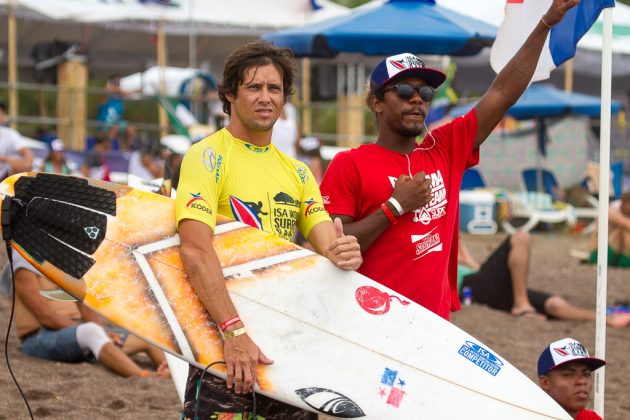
512, 81
202, 264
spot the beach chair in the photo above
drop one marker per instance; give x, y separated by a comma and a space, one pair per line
536, 207
472, 179
544, 206
617, 179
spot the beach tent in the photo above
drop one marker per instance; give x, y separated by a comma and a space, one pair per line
542, 100
119, 36
388, 27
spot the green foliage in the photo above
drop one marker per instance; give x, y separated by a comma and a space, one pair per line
351, 3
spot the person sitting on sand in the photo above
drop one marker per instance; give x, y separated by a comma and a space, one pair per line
67, 331
618, 234
501, 283
565, 373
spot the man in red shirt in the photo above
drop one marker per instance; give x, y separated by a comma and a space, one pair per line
400, 199
564, 372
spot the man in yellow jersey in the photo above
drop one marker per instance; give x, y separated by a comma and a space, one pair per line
238, 173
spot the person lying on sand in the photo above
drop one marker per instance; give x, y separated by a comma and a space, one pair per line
501, 283
67, 331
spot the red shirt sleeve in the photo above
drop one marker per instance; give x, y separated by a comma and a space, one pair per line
461, 132
341, 186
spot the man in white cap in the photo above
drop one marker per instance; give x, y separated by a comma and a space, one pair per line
400, 199
564, 372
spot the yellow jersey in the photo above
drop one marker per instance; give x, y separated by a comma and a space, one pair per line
259, 186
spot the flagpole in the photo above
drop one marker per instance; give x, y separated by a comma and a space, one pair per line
602, 234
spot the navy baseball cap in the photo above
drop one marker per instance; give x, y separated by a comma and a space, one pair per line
565, 351
404, 65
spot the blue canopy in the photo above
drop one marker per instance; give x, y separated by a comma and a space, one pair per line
547, 101
541, 101
415, 26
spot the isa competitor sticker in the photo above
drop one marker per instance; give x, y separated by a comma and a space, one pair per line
481, 357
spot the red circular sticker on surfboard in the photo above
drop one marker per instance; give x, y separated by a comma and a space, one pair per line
375, 301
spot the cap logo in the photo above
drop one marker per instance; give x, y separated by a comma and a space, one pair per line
407, 61
574, 349
561, 351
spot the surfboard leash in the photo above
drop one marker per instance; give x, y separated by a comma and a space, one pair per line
5, 220
253, 415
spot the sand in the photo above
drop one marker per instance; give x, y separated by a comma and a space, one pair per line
60, 391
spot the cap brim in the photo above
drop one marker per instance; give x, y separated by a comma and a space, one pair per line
592, 362
433, 77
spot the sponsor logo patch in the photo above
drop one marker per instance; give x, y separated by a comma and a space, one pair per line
256, 149
375, 301
427, 243
285, 214
572, 349
209, 159
481, 357
219, 163
247, 212
391, 386
302, 174
197, 202
92, 232
330, 402
312, 208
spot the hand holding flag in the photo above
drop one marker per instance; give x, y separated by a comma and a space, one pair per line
568, 24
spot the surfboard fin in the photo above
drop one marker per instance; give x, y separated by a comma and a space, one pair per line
57, 294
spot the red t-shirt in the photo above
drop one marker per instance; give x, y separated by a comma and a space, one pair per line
417, 257
587, 415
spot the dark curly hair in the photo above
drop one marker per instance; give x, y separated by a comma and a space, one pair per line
256, 54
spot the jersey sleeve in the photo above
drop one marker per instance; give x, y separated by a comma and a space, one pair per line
198, 188
312, 211
340, 186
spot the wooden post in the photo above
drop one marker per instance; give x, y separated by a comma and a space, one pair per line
12, 64
71, 103
568, 76
356, 120
162, 63
307, 121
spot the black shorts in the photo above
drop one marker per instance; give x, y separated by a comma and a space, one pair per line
492, 284
215, 398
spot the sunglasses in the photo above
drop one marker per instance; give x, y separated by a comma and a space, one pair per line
405, 91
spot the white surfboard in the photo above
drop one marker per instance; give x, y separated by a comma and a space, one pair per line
343, 345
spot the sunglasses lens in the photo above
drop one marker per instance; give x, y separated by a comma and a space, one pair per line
404, 90
426, 93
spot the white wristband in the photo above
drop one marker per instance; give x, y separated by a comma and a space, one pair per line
396, 205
